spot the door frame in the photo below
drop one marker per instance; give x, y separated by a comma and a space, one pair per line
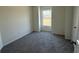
75, 29
75, 24
39, 17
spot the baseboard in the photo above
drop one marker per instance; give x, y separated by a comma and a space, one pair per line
59, 34
0, 49
68, 37
14, 39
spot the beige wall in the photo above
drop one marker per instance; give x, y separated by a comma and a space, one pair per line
61, 20
58, 17
15, 23
68, 22
35, 19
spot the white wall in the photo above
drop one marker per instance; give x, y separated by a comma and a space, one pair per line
58, 18
68, 21
15, 22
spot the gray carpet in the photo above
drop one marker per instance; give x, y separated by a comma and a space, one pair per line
39, 42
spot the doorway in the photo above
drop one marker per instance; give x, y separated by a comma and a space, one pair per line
45, 18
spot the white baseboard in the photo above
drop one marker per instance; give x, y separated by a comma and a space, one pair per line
1, 48
16, 38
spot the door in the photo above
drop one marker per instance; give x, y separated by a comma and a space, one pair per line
75, 31
45, 20
75, 24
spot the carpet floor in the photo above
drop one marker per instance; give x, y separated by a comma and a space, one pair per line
39, 42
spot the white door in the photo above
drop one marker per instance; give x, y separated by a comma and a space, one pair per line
75, 31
